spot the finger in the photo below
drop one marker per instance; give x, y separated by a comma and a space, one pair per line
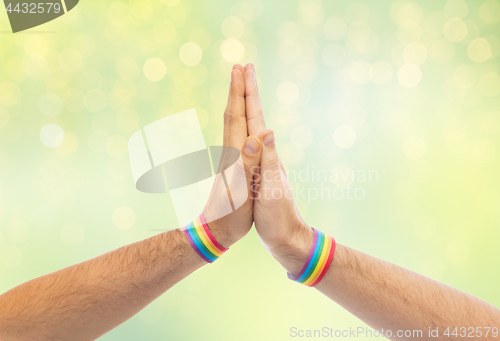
240, 175
251, 159
242, 70
235, 126
270, 162
254, 113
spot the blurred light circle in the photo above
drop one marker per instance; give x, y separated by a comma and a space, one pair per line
44, 216
424, 227
409, 32
490, 11
344, 136
472, 32
124, 217
11, 256
170, 3
140, 8
154, 69
489, 84
72, 234
457, 252
117, 146
232, 50
84, 44
491, 122
128, 69
455, 29
488, 201
36, 46
381, 72
405, 11
409, 75
69, 145
415, 53
464, 77
34, 67
10, 94
311, 12
70, 60
51, 104
119, 13
95, 101
190, 54
479, 50
414, 147
200, 37
333, 55
335, 29
301, 136
287, 92
232, 27
51, 135
456, 8
165, 31
360, 72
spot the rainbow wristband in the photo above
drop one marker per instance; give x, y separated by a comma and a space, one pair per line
319, 260
202, 240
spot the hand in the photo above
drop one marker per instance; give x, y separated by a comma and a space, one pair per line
230, 220
277, 220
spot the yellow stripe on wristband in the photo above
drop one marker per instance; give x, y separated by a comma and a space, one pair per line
322, 262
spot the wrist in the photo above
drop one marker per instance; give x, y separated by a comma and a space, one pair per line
221, 233
293, 251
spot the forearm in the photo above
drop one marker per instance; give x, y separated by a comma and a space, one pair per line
387, 296
86, 300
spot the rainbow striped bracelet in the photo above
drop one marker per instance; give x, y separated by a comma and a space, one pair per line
319, 260
202, 240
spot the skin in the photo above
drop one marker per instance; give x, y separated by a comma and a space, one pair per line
84, 301
383, 295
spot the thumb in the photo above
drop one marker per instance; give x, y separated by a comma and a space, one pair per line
270, 162
239, 177
251, 155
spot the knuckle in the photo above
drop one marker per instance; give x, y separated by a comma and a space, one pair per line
231, 115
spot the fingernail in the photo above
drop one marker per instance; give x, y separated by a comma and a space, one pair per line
251, 147
269, 140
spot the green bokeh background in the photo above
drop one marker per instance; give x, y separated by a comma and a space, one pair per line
413, 86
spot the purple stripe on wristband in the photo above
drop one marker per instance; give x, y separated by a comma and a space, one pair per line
195, 247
